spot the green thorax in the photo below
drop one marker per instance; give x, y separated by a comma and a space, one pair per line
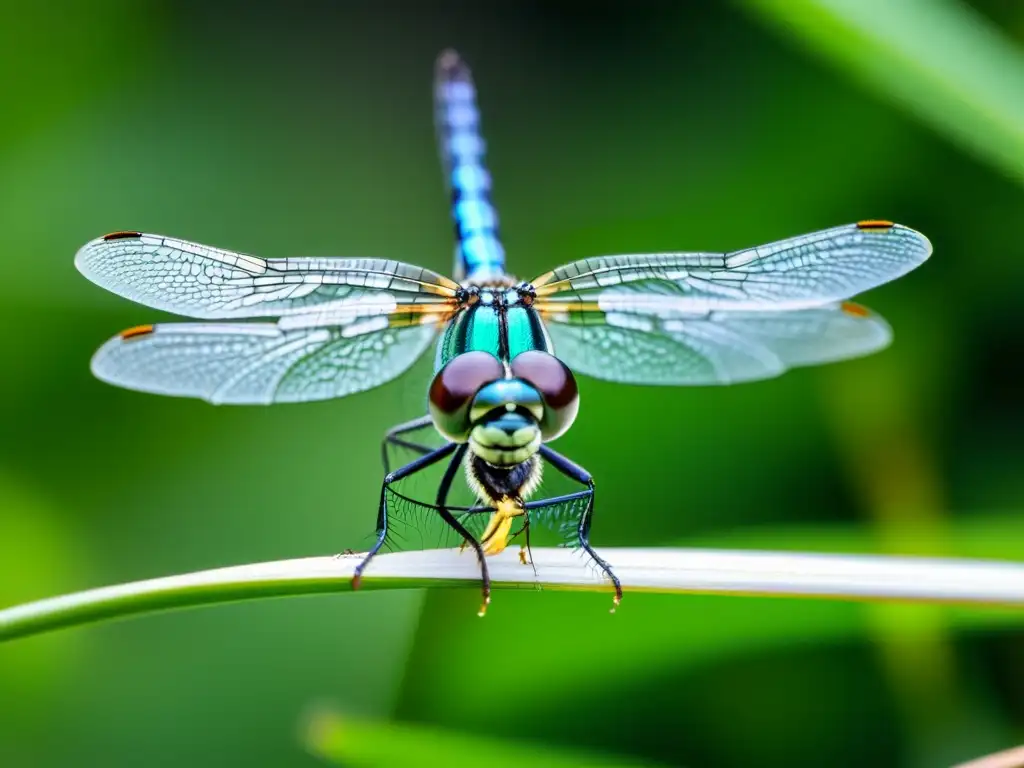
498, 323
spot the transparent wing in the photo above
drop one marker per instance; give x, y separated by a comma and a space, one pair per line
211, 283
716, 348
822, 267
262, 362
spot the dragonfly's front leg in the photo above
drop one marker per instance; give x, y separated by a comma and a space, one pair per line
525, 552
468, 538
393, 437
382, 510
575, 472
412, 468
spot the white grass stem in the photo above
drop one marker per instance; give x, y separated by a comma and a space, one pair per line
676, 570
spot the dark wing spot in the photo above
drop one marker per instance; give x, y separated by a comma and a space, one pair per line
123, 235
138, 330
876, 225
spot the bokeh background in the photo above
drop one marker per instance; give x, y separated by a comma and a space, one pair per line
306, 129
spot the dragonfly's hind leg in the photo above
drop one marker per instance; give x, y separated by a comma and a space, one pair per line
393, 437
411, 468
575, 472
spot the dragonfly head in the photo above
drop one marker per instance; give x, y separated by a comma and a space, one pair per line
503, 415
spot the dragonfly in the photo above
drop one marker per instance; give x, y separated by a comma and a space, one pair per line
507, 351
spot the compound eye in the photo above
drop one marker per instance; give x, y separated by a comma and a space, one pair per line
556, 385
452, 390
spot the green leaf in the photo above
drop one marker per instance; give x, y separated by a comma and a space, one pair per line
904, 51
358, 742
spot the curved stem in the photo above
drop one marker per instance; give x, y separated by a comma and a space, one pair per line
649, 570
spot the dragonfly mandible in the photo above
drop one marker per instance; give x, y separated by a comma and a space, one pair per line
302, 329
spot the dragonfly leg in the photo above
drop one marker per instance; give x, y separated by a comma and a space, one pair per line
449, 475
446, 515
525, 554
382, 510
393, 437
575, 472
583, 533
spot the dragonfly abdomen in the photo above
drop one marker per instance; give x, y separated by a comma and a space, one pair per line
479, 255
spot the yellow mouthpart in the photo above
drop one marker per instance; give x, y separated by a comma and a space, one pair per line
495, 536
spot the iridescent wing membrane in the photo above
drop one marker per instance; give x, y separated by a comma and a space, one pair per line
720, 318
343, 325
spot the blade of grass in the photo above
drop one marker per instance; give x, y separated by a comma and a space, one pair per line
704, 630
1010, 758
354, 741
646, 570
939, 59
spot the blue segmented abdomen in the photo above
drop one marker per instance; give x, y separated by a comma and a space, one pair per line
479, 255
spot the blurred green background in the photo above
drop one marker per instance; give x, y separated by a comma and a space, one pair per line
306, 129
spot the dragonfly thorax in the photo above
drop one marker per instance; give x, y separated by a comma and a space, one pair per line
495, 318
